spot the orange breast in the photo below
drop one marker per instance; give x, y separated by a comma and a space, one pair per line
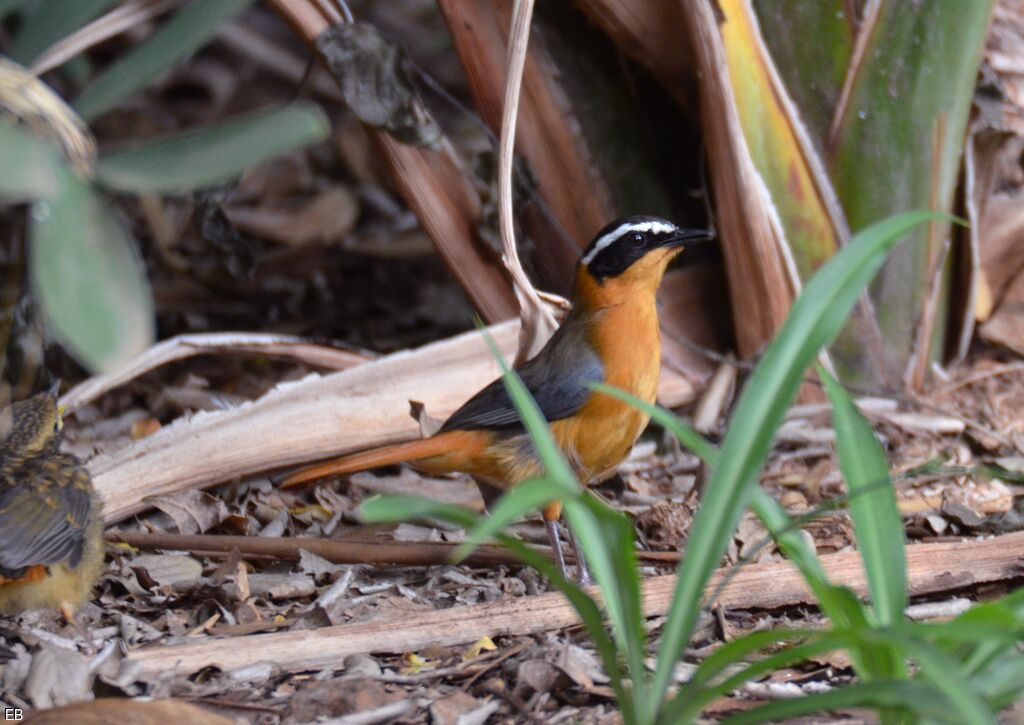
32, 574
605, 429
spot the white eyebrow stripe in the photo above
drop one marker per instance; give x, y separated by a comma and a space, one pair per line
605, 240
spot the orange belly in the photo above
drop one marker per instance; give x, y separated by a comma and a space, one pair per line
32, 574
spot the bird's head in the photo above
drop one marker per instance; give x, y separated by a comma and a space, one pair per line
30, 426
633, 252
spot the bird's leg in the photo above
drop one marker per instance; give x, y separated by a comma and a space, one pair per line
556, 545
581, 561
71, 617
552, 513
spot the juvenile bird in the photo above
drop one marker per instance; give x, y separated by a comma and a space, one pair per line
51, 532
611, 335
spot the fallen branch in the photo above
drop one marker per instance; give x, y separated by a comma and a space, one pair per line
397, 553
930, 568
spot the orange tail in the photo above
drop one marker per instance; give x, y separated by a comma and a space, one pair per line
387, 456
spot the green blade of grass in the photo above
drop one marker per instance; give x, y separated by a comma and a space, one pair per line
402, 508
736, 650
606, 539
1002, 682
687, 705
515, 503
883, 694
204, 157
388, 509
191, 28
835, 601
593, 622
817, 316
876, 518
945, 673
620, 588
536, 425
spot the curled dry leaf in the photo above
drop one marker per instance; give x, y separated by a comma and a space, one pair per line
194, 512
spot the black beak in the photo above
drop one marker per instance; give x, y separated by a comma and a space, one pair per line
688, 237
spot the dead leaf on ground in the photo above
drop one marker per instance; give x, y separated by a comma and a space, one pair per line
193, 511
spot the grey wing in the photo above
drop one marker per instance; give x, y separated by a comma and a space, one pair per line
556, 378
44, 523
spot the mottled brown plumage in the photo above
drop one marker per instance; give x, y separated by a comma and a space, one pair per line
51, 546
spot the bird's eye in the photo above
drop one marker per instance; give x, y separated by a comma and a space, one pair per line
636, 239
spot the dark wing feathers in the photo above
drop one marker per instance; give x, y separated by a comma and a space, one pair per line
43, 523
556, 378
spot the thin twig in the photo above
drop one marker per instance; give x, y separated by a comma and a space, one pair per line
397, 553
538, 321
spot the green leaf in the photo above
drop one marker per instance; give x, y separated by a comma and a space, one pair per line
515, 503
876, 517
816, 318
691, 439
838, 603
739, 649
885, 694
1002, 682
29, 167
191, 28
204, 157
388, 509
606, 539
593, 622
699, 693
44, 23
949, 679
400, 508
88, 278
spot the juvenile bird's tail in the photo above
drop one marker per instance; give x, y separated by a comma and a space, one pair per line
442, 444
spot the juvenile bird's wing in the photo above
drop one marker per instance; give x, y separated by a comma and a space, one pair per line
556, 378
43, 513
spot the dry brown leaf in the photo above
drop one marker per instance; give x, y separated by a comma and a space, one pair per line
193, 512
981, 496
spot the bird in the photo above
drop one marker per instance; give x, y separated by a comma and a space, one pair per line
51, 530
610, 335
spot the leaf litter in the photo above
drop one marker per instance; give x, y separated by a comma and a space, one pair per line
324, 280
